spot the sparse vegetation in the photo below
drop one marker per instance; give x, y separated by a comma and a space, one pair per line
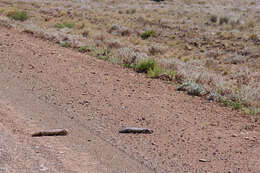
171, 74
2, 11
150, 33
213, 19
223, 20
146, 65
128, 65
64, 25
65, 44
84, 49
251, 111
19, 15
102, 53
155, 72
192, 88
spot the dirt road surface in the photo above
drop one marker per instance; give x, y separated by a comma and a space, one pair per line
45, 86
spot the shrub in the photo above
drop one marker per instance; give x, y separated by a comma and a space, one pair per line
2, 11
147, 34
186, 59
223, 20
18, 15
156, 49
130, 56
193, 88
213, 19
145, 66
113, 44
236, 105
85, 34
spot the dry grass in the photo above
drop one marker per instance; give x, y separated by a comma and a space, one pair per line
220, 52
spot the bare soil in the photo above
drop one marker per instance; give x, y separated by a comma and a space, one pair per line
45, 86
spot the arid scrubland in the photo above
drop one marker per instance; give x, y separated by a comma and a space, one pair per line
214, 45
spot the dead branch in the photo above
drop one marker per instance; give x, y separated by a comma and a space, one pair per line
53, 132
136, 130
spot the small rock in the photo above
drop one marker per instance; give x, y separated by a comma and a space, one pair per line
43, 168
157, 0
188, 47
234, 135
214, 124
247, 138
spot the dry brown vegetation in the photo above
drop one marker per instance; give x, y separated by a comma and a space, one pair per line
213, 43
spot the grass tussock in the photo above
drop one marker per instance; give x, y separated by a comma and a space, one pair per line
19, 15
147, 34
146, 65
69, 25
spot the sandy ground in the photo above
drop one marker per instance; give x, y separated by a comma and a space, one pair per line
45, 86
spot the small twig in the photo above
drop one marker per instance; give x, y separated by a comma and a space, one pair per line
136, 130
53, 132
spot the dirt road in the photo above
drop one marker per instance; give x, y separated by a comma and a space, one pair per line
44, 86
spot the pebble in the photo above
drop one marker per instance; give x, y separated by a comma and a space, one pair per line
247, 138
43, 168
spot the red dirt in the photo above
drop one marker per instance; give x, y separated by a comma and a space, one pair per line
44, 86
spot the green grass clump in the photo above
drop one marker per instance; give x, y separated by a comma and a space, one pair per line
236, 105
64, 25
65, 44
18, 15
150, 67
129, 65
155, 72
145, 66
147, 34
84, 49
229, 103
171, 74
251, 111
101, 53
